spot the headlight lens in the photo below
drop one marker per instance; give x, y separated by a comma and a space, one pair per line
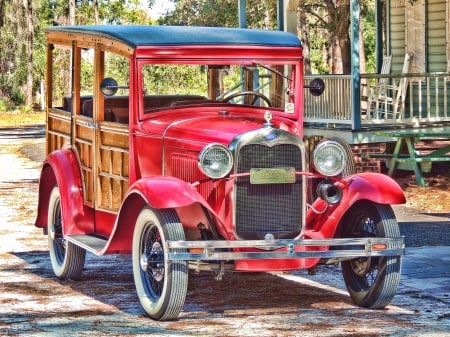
215, 161
329, 158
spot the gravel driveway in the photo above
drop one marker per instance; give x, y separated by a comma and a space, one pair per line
103, 303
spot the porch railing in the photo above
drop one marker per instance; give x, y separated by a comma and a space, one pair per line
334, 105
427, 100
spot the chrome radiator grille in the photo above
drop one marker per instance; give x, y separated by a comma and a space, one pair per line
268, 208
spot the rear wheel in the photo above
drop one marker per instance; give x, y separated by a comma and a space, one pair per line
67, 259
160, 284
371, 282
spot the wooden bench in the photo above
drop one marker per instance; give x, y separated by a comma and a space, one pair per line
413, 160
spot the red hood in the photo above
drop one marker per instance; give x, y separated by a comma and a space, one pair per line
208, 128
211, 129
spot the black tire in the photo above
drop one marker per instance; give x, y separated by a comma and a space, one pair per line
161, 285
67, 259
371, 282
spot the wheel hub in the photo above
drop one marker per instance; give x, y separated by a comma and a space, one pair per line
362, 266
153, 262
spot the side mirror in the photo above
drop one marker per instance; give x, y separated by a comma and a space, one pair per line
316, 87
109, 86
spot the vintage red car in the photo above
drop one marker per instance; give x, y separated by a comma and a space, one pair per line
183, 146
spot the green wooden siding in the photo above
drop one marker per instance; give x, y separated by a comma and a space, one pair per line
397, 35
437, 60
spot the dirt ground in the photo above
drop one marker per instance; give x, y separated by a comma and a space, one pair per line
104, 303
435, 198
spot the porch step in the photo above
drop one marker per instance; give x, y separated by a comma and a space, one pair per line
93, 243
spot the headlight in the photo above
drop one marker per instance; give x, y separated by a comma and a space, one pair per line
329, 158
215, 161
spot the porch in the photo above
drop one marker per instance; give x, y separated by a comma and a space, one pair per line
341, 111
338, 113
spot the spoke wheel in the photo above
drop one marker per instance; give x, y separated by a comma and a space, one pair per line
67, 259
371, 282
160, 284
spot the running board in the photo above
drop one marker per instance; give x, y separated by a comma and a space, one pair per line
93, 243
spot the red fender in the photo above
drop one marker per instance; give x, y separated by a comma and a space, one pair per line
374, 187
166, 192
61, 169
158, 192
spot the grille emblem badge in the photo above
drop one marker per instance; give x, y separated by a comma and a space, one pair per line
269, 237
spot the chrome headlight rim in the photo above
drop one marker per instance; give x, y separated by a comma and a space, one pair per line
209, 156
329, 158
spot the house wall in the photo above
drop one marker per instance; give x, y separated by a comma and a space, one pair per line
396, 34
437, 27
420, 27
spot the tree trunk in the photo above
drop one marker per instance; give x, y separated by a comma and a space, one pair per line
346, 61
96, 16
2, 13
305, 42
335, 55
72, 8
339, 45
29, 47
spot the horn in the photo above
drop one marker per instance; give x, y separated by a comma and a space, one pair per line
329, 192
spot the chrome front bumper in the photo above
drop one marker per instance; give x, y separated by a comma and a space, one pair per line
285, 249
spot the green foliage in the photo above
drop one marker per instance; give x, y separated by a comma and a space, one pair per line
3, 107
17, 96
328, 20
221, 13
211, 13
369, 36
260, 14
117, 67
13, 54
163, 79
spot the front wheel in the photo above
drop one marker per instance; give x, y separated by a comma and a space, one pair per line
161, 284
371, 282
67, 259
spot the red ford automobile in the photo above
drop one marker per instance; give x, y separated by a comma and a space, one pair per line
183, 146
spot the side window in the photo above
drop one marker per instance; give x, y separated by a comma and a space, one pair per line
86, 82
61, 79
168, 85
117, 106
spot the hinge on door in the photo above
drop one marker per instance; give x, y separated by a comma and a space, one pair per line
93, 125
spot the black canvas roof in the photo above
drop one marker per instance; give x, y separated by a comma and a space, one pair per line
135, 36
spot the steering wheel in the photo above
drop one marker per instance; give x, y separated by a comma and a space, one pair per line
248, 93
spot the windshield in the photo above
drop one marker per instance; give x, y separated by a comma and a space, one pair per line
255, 84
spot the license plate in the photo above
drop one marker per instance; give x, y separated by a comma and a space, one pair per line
279, 175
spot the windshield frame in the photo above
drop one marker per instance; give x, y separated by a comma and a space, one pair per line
238, 57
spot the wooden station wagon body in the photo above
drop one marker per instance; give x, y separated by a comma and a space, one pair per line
199, 163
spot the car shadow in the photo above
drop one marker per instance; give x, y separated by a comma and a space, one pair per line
109, 279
